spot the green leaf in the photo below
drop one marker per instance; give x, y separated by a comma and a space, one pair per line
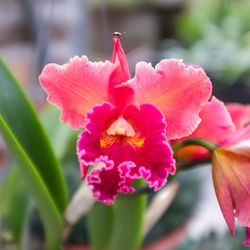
100, 221
19, 117
15, 203
30, 147
60, 134
49, 213
128, 221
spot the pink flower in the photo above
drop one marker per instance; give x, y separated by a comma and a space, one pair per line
240, 114
128, 121
241, 118
216, 126
231, 171
229, 127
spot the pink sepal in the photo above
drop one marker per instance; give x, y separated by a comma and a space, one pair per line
121, 92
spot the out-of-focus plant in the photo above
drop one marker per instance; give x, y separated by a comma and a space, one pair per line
216, 36
13, 208
14, 193
231, 16
29, 144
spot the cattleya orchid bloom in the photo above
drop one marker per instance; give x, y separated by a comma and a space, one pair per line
231, 171
230, 129
128, 122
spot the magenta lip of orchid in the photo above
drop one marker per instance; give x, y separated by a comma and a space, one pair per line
128, 121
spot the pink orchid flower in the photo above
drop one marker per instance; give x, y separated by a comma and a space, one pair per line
127, 121
229, 127
231, 171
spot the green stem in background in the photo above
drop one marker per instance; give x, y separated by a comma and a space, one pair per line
100, 220
209, 145
128, 220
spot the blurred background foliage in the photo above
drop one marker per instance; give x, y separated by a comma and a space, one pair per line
214, 34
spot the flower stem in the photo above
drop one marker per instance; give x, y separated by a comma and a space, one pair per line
100, 222
209, 145
129, 220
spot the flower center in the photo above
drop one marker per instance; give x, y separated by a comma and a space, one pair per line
121, 133
121, 127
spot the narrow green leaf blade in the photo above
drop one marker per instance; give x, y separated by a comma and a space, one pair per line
128, 221
61, 135
20, 117
49, 213
15, 205
100, 220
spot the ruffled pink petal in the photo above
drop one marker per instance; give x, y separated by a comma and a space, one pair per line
155, 158
178, 91
240, 114
122, 93
109, 180
105, 181
77, 86
247, 240
126, 179
144, 155
88, 145
216, 125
